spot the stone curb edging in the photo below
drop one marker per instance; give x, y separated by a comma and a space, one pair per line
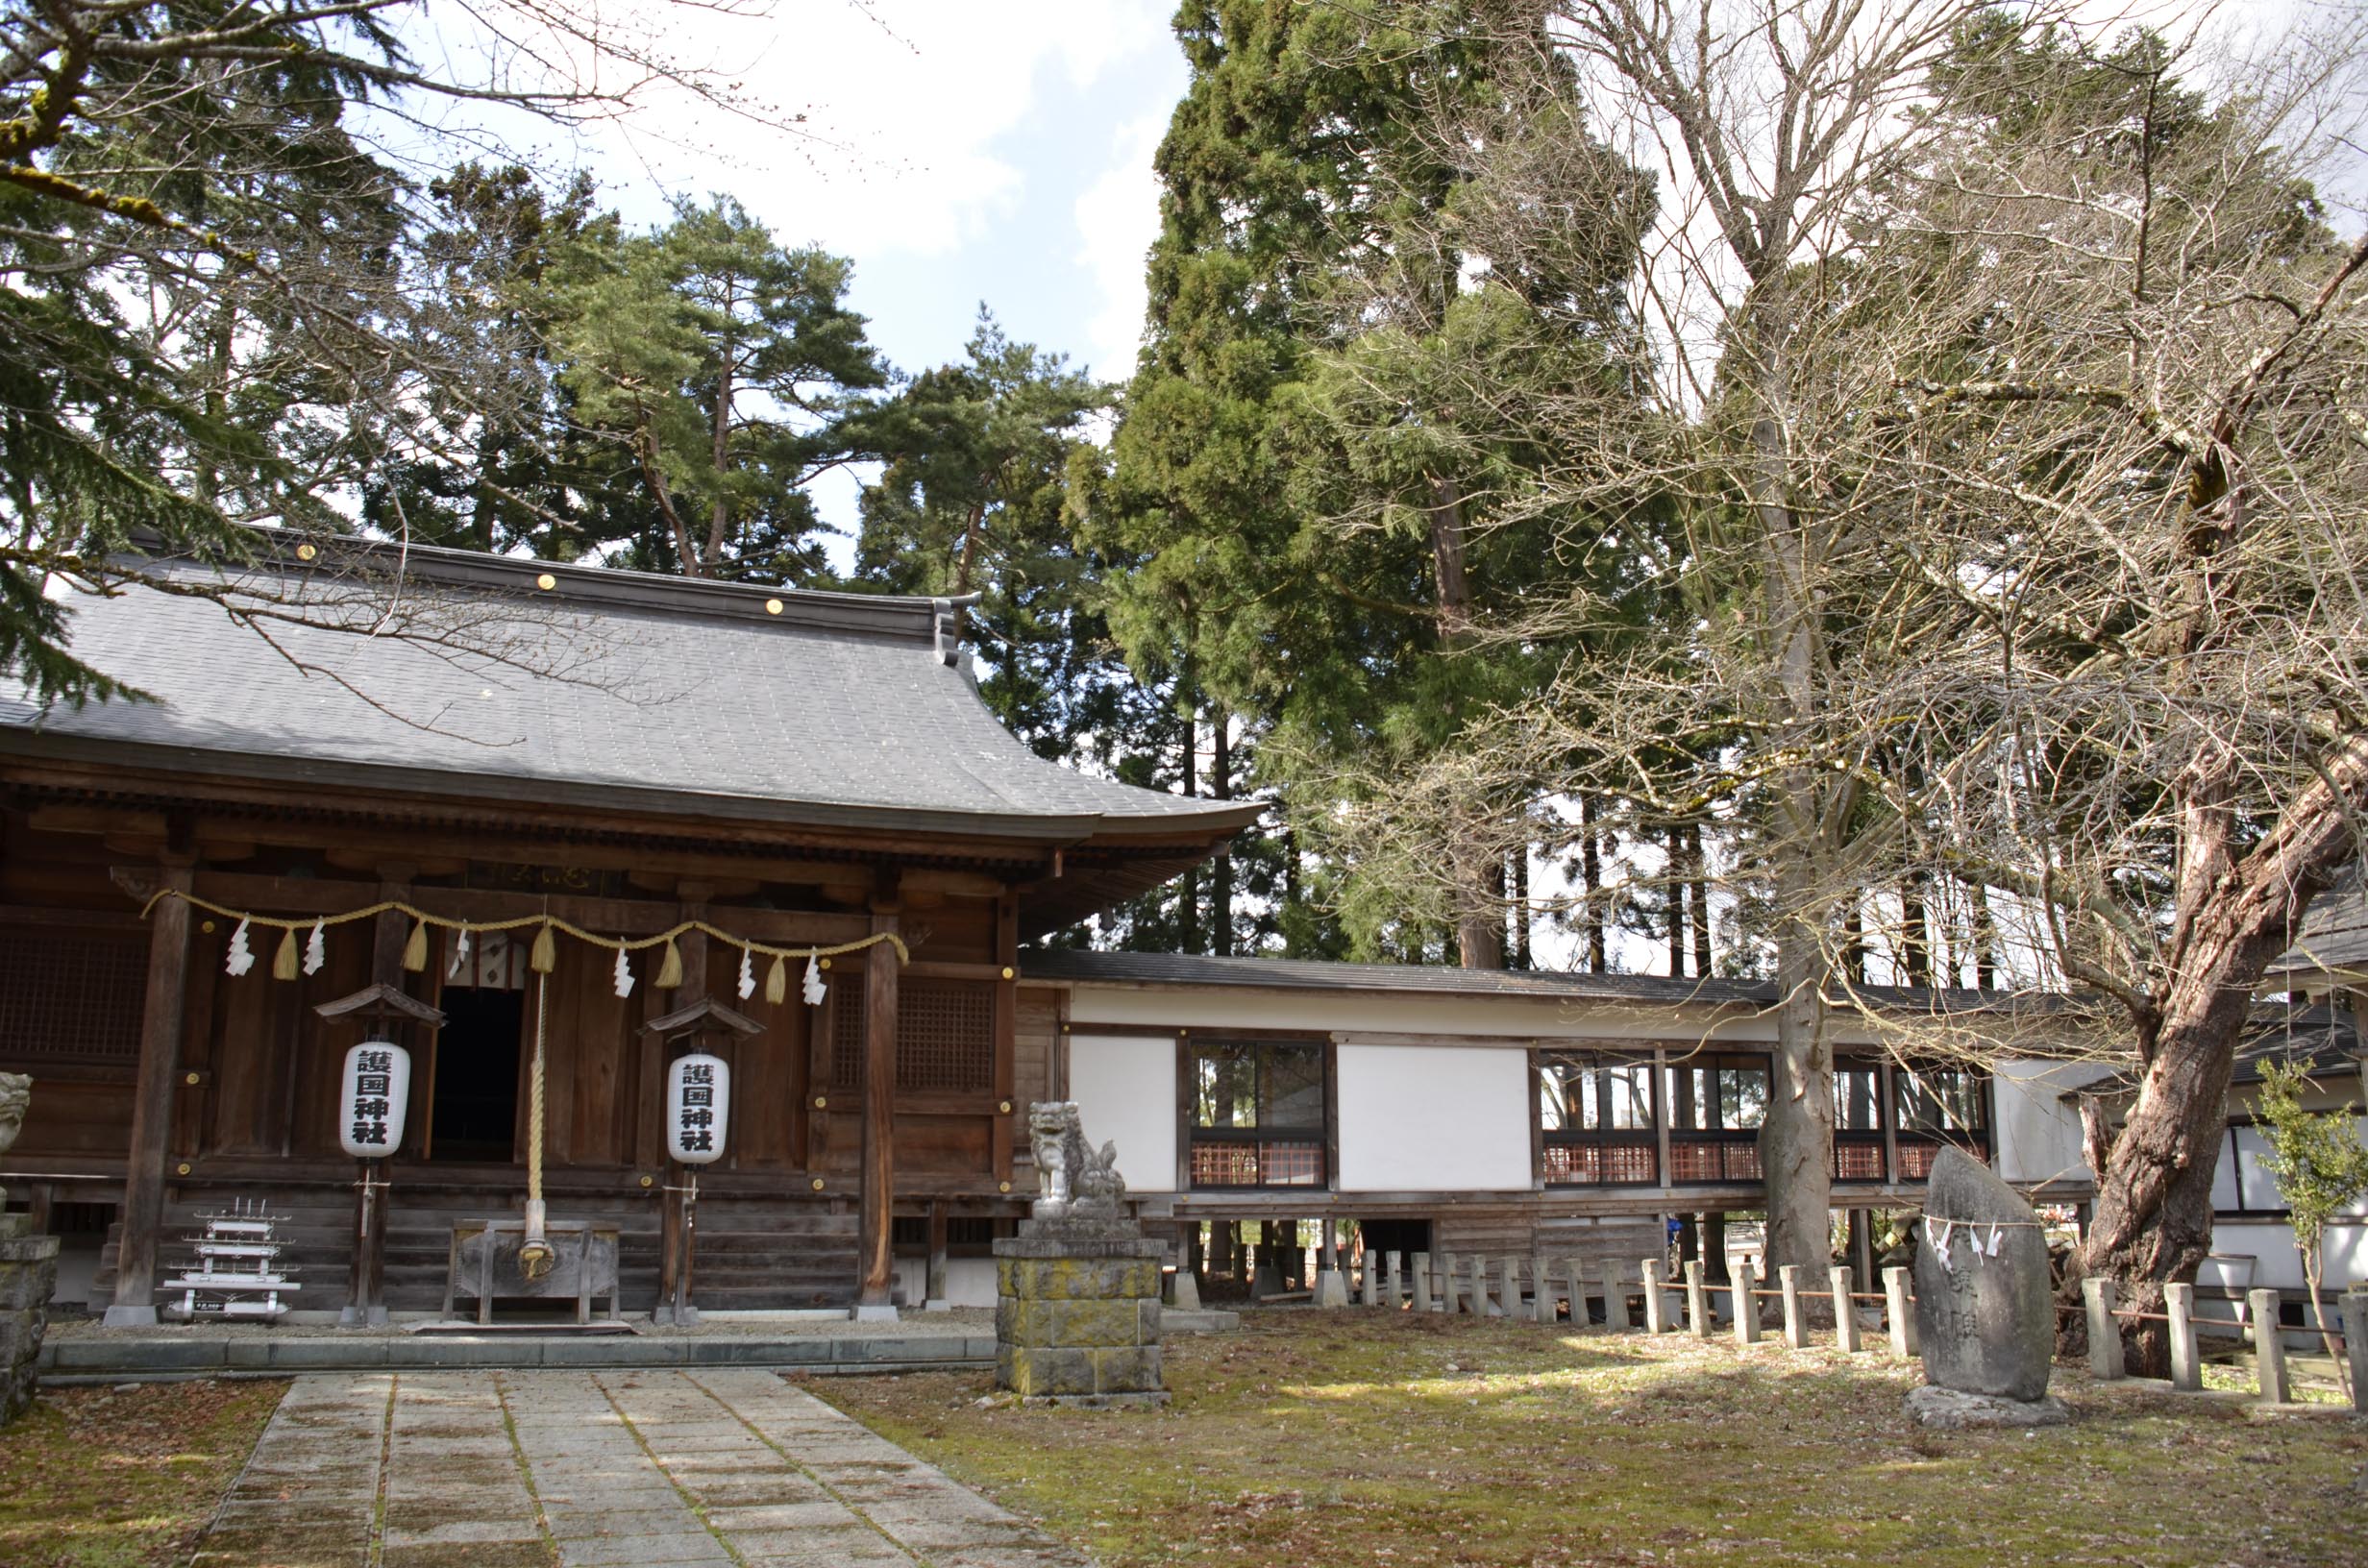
130, 1357
121, 1358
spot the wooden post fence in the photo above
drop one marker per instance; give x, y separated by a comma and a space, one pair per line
2186, 1368
1746, 1306
2106, 1362
2269, 1348
1902, 1316
1845, 1310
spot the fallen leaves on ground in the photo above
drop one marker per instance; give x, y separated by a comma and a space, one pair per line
92, 1478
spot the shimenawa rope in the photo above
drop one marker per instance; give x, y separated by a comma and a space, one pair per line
536, 1254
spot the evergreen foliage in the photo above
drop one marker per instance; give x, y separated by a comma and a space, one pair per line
723, 373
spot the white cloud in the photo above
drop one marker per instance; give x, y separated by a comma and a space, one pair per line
1118, 217
906, 100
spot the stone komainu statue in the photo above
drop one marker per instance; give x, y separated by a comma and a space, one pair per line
15, 1098
1076, 1178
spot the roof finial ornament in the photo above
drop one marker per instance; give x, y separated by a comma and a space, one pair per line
946, 627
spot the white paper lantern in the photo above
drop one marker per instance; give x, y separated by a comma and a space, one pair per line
698, 1108
378, 1091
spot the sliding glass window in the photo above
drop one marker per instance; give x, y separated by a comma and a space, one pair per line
1257, 1114
1595, 1115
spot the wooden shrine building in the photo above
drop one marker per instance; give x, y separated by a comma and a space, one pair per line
480, 807
486, 740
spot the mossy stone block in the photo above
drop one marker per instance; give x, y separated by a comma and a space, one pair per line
1092, 1324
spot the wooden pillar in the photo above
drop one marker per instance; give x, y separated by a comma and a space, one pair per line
365, 1273
1861, 1237
873, 1253
934, 1296
676, 1240
1010, 1114
152, 1107
1715, 1246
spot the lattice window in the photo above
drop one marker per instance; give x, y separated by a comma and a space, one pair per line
946, 1037
71, 998
1713, 1159
1275, 1162
846, 1028
1857, 1162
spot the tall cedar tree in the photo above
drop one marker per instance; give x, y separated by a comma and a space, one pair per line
1322, 532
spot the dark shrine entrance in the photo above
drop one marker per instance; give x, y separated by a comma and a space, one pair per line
472, 1107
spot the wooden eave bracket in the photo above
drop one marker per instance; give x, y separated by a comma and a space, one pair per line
382, 1000
706, 1013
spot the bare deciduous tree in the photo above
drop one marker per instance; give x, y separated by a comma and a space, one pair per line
2009, 387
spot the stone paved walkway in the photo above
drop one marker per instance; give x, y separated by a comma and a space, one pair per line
725, 1469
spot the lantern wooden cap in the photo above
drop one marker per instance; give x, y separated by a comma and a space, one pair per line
381, 1002
701, 1016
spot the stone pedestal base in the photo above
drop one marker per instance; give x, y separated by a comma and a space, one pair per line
1076, 1313
28, 1274
1950, 1410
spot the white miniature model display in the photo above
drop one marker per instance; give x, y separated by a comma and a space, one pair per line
237, 1272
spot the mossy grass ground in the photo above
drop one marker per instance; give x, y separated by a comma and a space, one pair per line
1350, 1437
94, 1479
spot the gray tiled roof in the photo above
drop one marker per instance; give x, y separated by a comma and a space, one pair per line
2334, 934
612, 689
1307, 974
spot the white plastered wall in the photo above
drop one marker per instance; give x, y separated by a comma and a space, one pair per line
1433, 1119
1124, 1085
2038, 1132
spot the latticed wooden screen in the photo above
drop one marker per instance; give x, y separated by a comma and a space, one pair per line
71, 998
1586, 1162
944, 1037
1713, 1159
847, 1024
1857, 1159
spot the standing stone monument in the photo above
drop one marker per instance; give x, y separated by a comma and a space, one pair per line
1077, 1313
1985, 1307
28, 1271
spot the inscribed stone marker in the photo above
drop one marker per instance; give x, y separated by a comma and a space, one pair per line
1985, 1305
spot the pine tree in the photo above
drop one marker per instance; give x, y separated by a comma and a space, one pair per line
725, 374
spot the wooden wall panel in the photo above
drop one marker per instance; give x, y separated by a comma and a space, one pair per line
769, 1070
1488, 1229
590, 1043
941, 1145
71, 1117
57, 870
317, 1047
839, 1150
254, 1026
1034, 1039
958, 931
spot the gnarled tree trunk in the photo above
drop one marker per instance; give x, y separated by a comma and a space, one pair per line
2153, 1213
